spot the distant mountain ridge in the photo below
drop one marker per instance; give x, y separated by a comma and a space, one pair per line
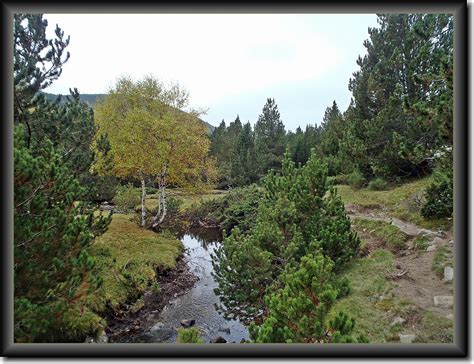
92, 99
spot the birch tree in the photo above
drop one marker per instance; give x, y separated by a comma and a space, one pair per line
152, 138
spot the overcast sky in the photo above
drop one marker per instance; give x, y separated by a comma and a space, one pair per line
230, 63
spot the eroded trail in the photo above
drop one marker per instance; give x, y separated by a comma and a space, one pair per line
413, 275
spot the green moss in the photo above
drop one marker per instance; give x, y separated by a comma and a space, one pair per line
441, 259
126, 261
368, 282
393, 238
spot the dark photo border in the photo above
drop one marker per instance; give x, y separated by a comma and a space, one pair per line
458, 349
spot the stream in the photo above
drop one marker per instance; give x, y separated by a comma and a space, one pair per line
198, 302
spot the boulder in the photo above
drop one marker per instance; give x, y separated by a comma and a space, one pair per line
224, 329
431, 248
219, 340
443, 301
188, 323
101, 338
437, 241
448, 274
398, 321
407, 338
425, 232
157, 326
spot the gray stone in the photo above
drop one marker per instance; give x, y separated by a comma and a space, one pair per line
448, 274
157, 326
437, 241
407, 338
398, 321
425, 232
101, 338
224, 329
443, 301
188, 323
450, 316
451, 242
431, 248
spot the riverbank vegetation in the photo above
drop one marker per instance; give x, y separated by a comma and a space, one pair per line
309, 250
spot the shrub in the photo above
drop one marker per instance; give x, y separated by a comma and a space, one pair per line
189, 336
439, 195
53, 228
377, 184
173, 205
356, 180
298, 310
298, 215
439, 200
99, 188
151, 190
340, 179
236, 208
127, 197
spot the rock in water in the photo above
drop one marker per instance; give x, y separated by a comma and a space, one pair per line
407, 339
157, 326
443, 301
224, 329
219, 340
448, 274
188, 323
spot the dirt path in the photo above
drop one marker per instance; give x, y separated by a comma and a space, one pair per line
420, 284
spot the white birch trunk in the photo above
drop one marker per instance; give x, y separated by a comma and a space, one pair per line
143, 202
161, 213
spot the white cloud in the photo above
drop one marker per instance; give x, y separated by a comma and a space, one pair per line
212, 55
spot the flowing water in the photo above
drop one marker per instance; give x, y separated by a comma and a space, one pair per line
197, 303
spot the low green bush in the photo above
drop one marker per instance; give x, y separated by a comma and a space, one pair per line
127, 197
356, 180
377, 184
439, 200
189, 336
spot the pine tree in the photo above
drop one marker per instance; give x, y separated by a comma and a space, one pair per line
298, 215
37, 63
298, 309
269, 138
402, 94
53, 222
53, 227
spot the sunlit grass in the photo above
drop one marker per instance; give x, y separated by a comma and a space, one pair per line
401, 201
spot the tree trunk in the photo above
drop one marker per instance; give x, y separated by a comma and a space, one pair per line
161, 213
143, 202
